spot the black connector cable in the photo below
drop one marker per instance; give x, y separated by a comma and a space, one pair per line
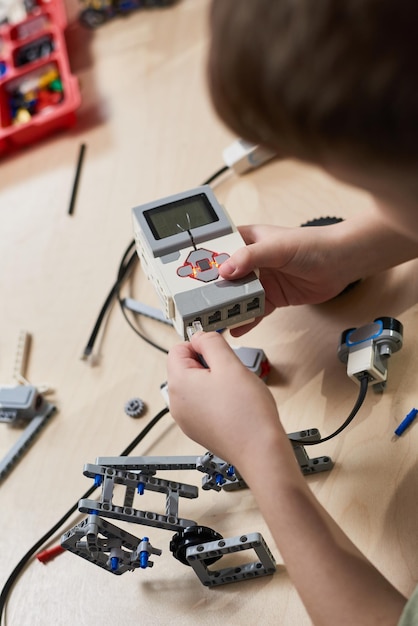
216, 175
364, 385
130, 264
124, 268
25, 559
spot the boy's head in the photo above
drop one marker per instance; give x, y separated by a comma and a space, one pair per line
333, 82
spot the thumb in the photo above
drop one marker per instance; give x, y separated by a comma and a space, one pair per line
266, 253
239, 264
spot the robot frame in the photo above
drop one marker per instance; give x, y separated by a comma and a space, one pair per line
365, 350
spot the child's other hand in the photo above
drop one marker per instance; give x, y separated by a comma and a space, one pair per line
225, 408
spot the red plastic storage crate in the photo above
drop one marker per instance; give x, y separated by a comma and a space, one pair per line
38, 93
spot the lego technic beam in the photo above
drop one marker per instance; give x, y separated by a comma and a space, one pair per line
22, 405
198, 556
306, 464
218, 474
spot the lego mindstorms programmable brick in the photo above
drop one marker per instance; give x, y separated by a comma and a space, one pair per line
181, 241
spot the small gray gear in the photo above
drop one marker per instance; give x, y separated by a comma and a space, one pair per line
134, 407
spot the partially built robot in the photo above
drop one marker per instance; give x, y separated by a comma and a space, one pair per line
117, 551
365, 350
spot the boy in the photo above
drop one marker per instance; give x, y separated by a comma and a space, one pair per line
331, 82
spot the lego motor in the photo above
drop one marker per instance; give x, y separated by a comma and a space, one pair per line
366, 350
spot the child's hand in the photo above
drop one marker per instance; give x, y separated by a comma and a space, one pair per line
226, 408
314, 264
297, 265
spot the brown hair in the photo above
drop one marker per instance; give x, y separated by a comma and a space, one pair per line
317, 77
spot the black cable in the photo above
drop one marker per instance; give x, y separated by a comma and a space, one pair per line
124, 267
364, 383
114, 291
24, 560
216, 175
118, 285
144, 432
76, 178
137, 331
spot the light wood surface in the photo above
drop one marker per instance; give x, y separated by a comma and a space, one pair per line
149, 128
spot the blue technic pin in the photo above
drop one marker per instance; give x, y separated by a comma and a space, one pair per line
407, 421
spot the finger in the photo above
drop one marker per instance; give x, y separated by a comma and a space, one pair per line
215, 350
182, 357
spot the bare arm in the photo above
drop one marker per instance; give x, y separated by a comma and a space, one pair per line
330, 574
335, 581
368, 245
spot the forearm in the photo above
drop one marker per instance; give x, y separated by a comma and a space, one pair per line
335, 581
366, 245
